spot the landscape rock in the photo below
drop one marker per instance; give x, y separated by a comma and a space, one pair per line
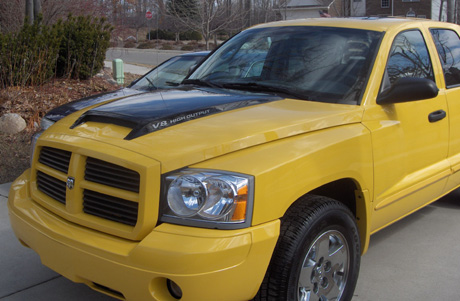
12, 123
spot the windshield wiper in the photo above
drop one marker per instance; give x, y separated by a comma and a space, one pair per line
254, 86
200, 82
152, 86
174, 84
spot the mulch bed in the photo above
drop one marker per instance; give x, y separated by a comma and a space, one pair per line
32, 103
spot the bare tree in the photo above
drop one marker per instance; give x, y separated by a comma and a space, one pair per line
12, 14
59, 9
265, 11
206, 16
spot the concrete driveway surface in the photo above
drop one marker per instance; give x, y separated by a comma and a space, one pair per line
417, 258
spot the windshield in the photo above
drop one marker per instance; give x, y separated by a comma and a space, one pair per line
314, 63
169, 74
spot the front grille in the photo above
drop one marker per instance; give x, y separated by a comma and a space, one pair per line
55, 158
51, 186
109, 174
95, 203
109, 207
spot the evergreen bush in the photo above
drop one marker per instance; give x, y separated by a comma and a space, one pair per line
191, 35
84, 43
187, 48
167, 47
162, 35
146, 45
75, 48
28, 57
129, 44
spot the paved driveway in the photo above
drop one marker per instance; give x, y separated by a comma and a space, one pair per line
416, 258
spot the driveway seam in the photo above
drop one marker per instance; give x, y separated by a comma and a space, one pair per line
29, 287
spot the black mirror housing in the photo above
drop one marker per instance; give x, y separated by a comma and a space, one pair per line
408, 89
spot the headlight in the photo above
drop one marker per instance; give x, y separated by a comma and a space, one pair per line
33, 142
44, 124
212, 199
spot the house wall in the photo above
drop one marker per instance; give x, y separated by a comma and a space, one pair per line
302, 13
435, 11
358, 8
299, 9
401, 8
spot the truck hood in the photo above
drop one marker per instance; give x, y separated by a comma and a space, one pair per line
152, 112
60, 112
185, 126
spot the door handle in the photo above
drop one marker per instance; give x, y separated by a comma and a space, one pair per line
437, 115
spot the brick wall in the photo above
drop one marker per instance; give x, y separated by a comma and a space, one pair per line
422, 7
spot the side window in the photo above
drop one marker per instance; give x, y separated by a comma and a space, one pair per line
448, 46
408, 58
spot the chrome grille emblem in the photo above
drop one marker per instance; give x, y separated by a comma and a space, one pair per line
70, 182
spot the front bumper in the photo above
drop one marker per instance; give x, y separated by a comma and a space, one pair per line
207, 264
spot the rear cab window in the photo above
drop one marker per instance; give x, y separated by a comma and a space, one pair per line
448, 45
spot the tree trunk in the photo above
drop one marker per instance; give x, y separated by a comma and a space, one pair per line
37, 9
30, 10
441, 6
450, 10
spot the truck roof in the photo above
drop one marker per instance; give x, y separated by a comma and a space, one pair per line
369, 23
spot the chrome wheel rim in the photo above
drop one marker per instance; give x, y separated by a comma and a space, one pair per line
324, 270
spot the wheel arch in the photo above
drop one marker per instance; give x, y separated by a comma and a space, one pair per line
348, 192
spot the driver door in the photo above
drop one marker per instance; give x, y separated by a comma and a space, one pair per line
409, 146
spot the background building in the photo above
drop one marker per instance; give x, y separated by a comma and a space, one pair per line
430, 9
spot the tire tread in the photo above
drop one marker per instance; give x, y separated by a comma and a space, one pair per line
299, 217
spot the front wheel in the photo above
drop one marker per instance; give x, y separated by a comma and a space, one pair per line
317, 256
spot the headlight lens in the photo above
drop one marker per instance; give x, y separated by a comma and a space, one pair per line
208, 199
222, 197
44, 124
186, 196
33, 142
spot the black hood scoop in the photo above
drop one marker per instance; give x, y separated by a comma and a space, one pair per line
151, 112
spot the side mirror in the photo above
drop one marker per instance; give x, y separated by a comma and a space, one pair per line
408, 89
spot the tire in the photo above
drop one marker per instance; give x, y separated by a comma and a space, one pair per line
317, 256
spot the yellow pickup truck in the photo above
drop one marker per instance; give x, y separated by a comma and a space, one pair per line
262, 176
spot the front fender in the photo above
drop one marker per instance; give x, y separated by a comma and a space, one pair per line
289, 168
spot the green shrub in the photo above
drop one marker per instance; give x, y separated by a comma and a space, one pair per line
75, 48
167, 47
190, 35
28, 57
129, 44
83, 46
146, 45
162, 35
222, 36
187, 48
